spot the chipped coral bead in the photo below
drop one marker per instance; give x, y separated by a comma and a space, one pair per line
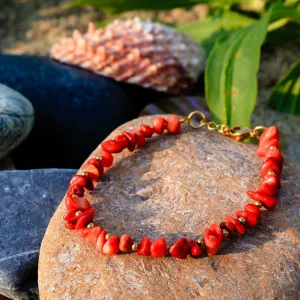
121, 139
267, 189
251, 219
180, 249
78, 179
146, 130
195, 249
173, 125
98, 164
70, 226
125, 243
276, 154
75, 189
217, 231
159, 125
238, 226
91, 171
229, 227
101, 241
144, 247
131, 141
267, 201
139, 137
158, 247
84, 219
111, 246
90, 234
272, 179
270, 164
264, 148
73, 216
253, 209
212, 242
112, 146
77, 203
269, 134
106, 158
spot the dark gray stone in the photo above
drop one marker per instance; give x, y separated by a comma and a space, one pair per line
28, 200
16, 119
74, 109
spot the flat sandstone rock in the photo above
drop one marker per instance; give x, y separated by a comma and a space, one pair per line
176, 186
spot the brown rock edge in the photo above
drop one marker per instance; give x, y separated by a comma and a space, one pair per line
176, 186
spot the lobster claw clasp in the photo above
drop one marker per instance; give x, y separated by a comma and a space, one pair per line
240, 133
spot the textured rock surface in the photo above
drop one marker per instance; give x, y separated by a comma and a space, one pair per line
16, 119
28, 199
74, 109
174, 186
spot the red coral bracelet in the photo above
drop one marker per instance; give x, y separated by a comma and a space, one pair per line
80, 215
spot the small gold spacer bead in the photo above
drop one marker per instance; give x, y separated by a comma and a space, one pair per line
78, 213
134, 246
225, 232
108, 236
90, 225
199, 240
257, 203
98, 157
242, 220
273, 147
84, 173
271, 172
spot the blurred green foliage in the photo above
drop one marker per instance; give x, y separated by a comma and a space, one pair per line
285, 95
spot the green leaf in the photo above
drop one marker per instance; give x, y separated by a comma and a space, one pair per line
206, 32
285, 95
230, 75
118, 6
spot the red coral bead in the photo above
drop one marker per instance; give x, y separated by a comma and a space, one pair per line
195, 249
139, 138
229, 227
71, 216
266, 189
276, 154
159, 125
70, 226
264, 148
75, 189
84, 220
92, 172
106, 158
158, 247
269, 134
111, 247
180, 249
146, 130
131, 141
250, 218
121, 139
270, 164
90, 234
212, 242
112, 146
125, 243
77, 203
101, 241
238, 226
272, 179
144, 247
78, 179
173, 125
217, 231
267, 201
98, 164
253, 209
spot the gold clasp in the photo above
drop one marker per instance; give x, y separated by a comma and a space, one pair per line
237, 133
